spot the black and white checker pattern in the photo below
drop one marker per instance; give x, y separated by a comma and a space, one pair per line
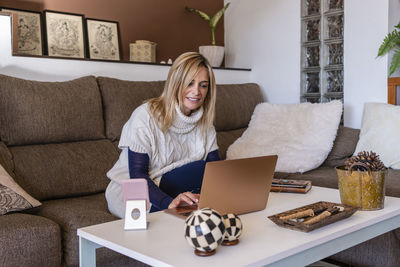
204, 229
233, 227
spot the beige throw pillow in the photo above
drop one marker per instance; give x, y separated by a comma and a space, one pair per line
12, 196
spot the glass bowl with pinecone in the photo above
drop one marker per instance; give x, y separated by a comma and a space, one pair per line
361, 181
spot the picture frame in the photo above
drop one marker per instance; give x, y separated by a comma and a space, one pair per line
103, 39
65, 36
27, 32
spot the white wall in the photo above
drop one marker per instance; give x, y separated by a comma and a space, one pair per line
265, 35
45, 69
365, 75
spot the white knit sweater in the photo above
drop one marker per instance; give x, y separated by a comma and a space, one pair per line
180, 144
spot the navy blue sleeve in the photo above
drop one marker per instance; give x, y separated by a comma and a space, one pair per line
139, 168
213, 156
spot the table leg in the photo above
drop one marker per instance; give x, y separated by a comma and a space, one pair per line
87, 252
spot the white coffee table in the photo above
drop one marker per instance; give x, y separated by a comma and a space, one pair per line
262, 242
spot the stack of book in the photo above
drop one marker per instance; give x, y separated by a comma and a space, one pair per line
291, 186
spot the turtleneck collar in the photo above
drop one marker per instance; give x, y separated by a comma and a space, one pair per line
183, 123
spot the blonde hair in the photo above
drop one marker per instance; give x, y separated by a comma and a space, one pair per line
181, 73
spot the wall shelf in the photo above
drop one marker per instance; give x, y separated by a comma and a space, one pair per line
119, 61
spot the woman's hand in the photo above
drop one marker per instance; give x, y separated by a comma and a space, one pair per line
184, 199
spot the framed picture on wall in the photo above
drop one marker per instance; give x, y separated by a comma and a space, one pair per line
103, 39
27, 31
64, 34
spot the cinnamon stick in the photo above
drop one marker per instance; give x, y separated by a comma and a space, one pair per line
318, 218
300, 214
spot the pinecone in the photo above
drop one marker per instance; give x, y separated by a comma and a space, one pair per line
370, 159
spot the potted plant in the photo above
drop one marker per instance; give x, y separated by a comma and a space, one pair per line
392, 41
213, 53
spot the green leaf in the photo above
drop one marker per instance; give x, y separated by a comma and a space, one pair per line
395, 62
214, 20
202, 14
391, 40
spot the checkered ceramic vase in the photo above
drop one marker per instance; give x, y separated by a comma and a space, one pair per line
204, 230
233, 227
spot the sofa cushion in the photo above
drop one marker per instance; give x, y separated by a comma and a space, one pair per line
64, 170
29, 240
235, 104
323, 176
6, 159
33, 112
234, 107
382, 250
12, 196
120, 98
109, 258
393, 183
226, 138
74, 213
116, 143
343, 147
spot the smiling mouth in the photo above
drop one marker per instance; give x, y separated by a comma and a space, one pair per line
193, 99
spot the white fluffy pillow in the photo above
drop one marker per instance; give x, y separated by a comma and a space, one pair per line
380, 132
301, 135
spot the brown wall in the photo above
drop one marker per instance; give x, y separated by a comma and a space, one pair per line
165, 22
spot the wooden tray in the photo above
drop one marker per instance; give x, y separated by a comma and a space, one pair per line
300, 226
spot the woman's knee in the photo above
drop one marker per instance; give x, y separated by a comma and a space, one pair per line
115, 199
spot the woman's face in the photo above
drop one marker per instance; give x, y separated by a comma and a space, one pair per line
196, 92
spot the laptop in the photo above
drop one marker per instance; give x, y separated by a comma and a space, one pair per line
234, 186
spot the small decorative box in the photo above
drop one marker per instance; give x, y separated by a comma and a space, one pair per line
143, 51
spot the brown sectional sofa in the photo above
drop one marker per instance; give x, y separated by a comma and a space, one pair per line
58, 140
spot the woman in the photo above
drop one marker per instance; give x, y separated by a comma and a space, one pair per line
168, 139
